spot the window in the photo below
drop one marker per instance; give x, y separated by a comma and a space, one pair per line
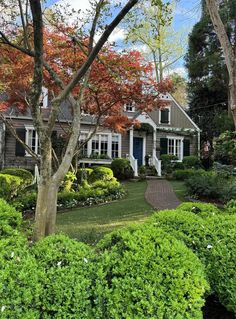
32, 140
84, 148
115, 146
129, 107
95, 144
44, 98
165, 115
104, 144
175, 147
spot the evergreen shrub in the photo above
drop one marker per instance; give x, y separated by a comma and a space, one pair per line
122, 169
145, 273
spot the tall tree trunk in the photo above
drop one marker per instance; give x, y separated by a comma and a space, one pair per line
232, 96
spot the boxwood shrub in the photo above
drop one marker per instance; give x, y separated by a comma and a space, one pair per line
192, 162
10, 220
122, 169
10, 185
201, 209
145, 273
100, 173
183, 174
68, 275
20, 172
230, 207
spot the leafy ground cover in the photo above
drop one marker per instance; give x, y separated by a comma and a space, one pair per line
89, 224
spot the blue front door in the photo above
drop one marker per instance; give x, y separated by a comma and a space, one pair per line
138, 150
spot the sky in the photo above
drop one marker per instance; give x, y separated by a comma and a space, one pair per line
186, 14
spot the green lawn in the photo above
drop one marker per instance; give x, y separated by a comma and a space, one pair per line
180, 190
90, 224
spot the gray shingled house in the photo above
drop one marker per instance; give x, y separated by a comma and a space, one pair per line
166, 131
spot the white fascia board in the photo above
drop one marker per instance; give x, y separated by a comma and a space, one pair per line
145, 118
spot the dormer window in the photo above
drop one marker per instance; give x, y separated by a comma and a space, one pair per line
164, 115
129, 107
44, 98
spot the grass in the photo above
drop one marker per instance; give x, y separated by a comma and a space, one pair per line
91, 224
180, 190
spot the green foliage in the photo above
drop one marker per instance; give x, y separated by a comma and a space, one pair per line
201, 209
10, 185
122, 169
213, 239
83, 174
155, 274
68, 181
20, 172
211, 186
231, 207
192, 162
10, 220
168, 162
67, 277
225, 148
20, 287
184, 174
101, 173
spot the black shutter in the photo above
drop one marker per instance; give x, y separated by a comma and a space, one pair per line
165, 116
20, 150
163, 145
186, 147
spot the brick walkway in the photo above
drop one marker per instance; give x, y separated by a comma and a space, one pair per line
160, 194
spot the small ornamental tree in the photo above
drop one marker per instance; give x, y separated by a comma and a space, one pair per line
86, 75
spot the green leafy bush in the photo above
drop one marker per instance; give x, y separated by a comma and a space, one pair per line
122, 169
230, 207
201, 209
191, 162
10, 220
101, 173
168, 162
20, 172
145, 273
211, 186
67, 277
213, 240
10, 185
83, 174
183, 174
20, 287
225, 148
68, 181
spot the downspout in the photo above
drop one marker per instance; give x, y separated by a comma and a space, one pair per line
199, 143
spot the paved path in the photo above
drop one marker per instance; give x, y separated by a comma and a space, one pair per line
160, 194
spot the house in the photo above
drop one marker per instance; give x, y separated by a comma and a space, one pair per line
164, 131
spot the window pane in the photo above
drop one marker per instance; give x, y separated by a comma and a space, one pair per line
95, 145
165, 116
115, 146
84, 148
104, 144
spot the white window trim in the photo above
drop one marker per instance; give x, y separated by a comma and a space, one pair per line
181, 139
30, 128
44, 97
169, 115
129, 111
109, 147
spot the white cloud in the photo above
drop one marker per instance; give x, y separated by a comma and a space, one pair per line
117, 35
180, 70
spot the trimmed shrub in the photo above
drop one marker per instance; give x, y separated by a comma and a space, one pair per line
20, 172
10, 220
10, 185
100, 173
192, 162
230, 207
225, 148
201, 209
168, 162
155, 274
83, 174
20, 287
183, 174
121, 169
213, 239
68, 274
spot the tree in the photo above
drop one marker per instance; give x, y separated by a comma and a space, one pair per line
228, 45
179, 90
67, 61
208, 78
151, 26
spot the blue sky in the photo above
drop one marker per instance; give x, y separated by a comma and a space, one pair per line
187, 13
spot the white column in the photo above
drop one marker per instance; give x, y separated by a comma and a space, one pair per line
131, 141
144, 148
90, 147
119, 145
109, 144
154, 142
